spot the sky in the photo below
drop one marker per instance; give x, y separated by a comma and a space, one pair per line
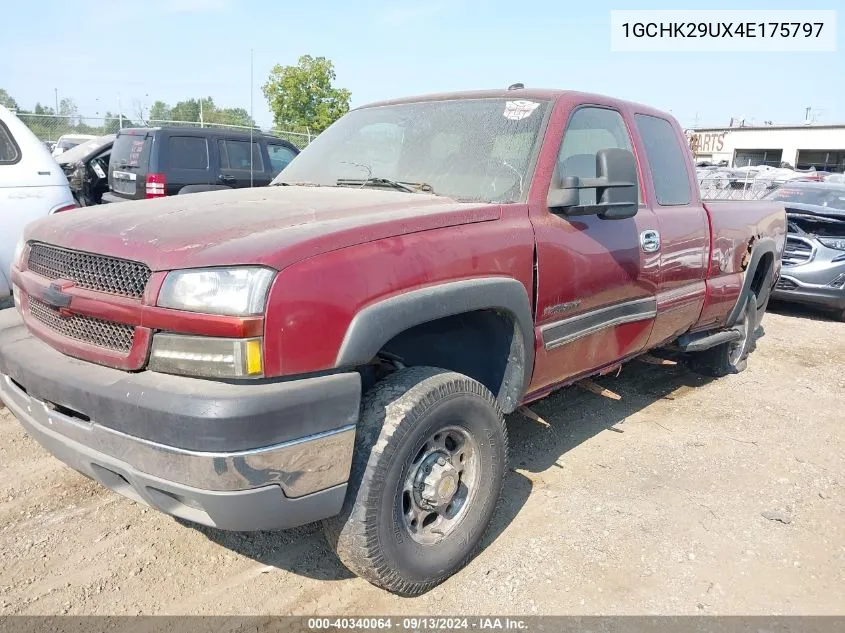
134, 53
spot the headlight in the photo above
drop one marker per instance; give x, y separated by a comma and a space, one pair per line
18, 252
232, 291
833, 242
206, 357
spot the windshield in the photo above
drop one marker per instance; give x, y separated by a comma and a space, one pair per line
833, 198
469, 150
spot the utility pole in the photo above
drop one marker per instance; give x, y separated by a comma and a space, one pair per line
56, 91
119, 111
251, 64
201, 122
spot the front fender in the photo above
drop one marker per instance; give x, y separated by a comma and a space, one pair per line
378, 323
5, 290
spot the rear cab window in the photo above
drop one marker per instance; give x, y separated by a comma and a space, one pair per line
187, 152
665, 159
10, 153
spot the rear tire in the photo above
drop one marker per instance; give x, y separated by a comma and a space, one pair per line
731, 357
427, 475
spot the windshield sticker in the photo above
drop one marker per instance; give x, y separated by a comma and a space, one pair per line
518, 110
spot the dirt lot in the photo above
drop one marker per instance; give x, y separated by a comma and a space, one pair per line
686, 497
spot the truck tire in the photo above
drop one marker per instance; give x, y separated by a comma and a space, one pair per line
731, 357
430, 458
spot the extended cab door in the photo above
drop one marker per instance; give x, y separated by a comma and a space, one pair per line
596, 278
683, 223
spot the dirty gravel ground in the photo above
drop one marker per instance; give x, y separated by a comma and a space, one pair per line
651, 505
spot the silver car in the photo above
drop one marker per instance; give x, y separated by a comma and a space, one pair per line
813, 270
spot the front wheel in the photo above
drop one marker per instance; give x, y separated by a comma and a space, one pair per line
731, 357
430, 459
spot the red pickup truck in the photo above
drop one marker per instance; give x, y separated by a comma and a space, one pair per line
342, 346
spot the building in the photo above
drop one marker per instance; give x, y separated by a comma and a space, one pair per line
802, 146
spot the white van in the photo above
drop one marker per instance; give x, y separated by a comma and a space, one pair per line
32, 186
69, 141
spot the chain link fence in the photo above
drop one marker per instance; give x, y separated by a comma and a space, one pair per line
50, 127
739, 184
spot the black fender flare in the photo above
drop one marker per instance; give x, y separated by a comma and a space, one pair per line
376, 324
5, 286
200, 188
761, 246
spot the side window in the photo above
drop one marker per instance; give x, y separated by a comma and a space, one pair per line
590, 129
188, 152
666, 160
280, 156
236, 155
10, 153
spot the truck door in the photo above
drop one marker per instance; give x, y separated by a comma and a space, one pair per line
596, 279
683, 224
235, 166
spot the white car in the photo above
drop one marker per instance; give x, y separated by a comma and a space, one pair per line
32, 186
69, 141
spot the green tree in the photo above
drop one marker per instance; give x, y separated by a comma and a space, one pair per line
111, 125
188, 110
68, 108
7, 100
303, 95
160, 111
228, 116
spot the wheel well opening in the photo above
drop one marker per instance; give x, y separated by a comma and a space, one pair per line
764, 268
483, 344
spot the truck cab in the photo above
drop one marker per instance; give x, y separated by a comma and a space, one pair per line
343, 345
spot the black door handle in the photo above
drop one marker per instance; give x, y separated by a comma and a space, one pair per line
226, 178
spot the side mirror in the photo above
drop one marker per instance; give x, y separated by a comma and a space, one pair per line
617, 188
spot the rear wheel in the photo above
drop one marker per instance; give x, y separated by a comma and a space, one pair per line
428, 470
731, 357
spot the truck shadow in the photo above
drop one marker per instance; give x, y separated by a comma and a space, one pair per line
574, 416
800, 311
305, 552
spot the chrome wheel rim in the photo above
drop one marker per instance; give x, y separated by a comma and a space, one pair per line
440, 484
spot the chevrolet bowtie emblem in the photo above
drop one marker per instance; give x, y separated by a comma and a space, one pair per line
55, 297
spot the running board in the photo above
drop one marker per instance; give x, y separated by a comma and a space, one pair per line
704, 340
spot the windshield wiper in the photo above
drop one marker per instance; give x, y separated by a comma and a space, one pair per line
303, 183
408, 187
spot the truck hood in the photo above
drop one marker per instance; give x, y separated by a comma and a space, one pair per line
273, 226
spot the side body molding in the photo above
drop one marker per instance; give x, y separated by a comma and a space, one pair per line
379, 322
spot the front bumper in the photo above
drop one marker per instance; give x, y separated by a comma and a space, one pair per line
792, 287
260, 483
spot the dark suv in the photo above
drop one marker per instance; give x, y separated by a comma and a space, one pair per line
156, 162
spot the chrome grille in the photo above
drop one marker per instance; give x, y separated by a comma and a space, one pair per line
114, 336
94, 272
797, 251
